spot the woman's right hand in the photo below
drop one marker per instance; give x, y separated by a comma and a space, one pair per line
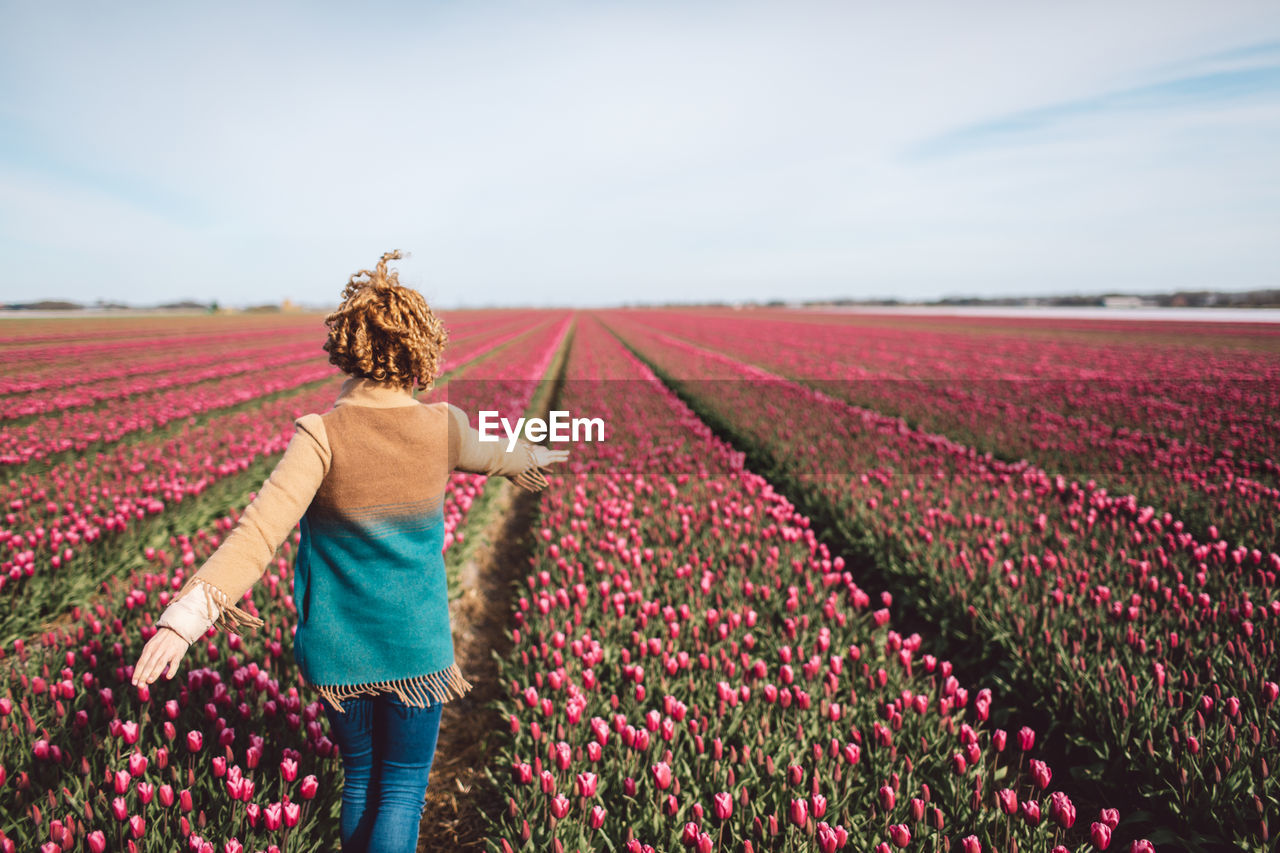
545, 456
161, 653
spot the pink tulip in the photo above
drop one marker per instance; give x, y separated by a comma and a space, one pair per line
310, 785
559, 806
137, 826
887, 798
1031, 812
1008, 800
817, 805
662, 775
1142, 845
596, 820
900, 835
1111, 817
292, 813
273, 816
1042, 773
723, 802
972, 844
195, 740
586, 784
1062, 809
97, 841
799, 812
1101, 835
828, 842
1026, 738
165, 795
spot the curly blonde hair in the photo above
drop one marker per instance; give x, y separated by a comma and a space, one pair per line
385, 331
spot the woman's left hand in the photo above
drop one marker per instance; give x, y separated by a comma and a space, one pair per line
162, 652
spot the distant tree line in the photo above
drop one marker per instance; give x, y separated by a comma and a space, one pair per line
67, 305
1177, 299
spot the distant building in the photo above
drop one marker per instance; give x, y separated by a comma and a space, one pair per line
1123, 302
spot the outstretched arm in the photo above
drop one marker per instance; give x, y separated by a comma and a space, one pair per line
210, 594
521, 465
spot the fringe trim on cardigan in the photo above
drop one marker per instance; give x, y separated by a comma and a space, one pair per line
418, 691
219, 607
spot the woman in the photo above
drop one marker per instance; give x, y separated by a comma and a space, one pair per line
367, 481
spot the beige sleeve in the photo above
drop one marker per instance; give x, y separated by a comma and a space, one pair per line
243, 556
468, 453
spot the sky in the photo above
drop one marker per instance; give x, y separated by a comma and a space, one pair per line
609, 152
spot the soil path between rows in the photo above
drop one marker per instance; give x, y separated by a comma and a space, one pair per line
458, 793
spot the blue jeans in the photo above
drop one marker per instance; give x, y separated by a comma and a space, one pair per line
387, 748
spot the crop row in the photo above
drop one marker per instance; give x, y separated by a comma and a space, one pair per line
157, 335
59, 522
191, 373
78, 430
692, 667
1152, 650
160, 346
146, 358
230, 755
1195, 432
197, 369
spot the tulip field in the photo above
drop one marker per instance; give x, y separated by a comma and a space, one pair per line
230, 755
831, 582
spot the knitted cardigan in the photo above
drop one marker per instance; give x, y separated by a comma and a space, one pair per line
366, 480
